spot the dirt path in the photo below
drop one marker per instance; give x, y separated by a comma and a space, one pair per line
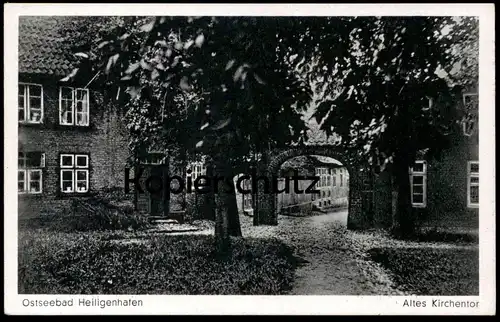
331, 264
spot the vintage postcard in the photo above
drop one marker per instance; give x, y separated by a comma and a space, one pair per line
249, 159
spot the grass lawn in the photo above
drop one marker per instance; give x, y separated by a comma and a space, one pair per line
102, 263
432, 271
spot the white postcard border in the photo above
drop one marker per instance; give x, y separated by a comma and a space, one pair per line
157, 304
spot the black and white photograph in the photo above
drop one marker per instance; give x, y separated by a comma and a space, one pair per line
259, 155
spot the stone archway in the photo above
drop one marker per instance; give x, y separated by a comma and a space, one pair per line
267, 203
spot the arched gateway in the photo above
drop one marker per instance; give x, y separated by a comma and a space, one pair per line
266, 208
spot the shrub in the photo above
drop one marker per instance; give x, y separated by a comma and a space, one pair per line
100, 214
82, 264
432, 271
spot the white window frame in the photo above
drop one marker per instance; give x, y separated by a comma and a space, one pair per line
422, 174
26, 103
74, 103
74, 169
471, 175
194, 171
27, 172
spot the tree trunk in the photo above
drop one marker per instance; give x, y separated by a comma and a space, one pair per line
222, 209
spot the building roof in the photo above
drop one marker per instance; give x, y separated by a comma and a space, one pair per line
41, 46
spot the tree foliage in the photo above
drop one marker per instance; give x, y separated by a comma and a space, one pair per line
231, 87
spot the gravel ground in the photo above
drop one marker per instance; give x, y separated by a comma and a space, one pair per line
332, 263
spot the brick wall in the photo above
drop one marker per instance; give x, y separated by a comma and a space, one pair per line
447, 187
104, 140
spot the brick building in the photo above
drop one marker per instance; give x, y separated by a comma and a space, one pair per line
70, 143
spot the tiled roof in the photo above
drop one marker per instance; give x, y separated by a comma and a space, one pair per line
41, 47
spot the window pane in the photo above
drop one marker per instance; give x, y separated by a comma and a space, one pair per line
35, 115
474, 167
35, 103
418, 167
79, 115
81, 161
67, 186
67, 117
67, 160
418, 189
81, 175
35, 187
418, 198
21, 176
474, 180
35, 91
418, 180
67, 93
81, 186
21, 161
35, 175
21, 116
21, 103
474, 194
67, 175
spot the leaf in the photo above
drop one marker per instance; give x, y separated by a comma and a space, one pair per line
134, 91
124, 36
111, 62
83, 55
237, 74
132, 68
70, 76
188, 44
184, 84
222, 124
101, 45
155, 74
204, 126
230, 64
199, 40
148, 26
160, 66
145, 65
126, 77
178, 45
199, 144
162, 43
258, 79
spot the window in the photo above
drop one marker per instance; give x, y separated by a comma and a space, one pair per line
418, 182
197, 169
247, 201
154, 158
473, 184
30, 102
73, 106
74, 173
29, 174
471, 104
